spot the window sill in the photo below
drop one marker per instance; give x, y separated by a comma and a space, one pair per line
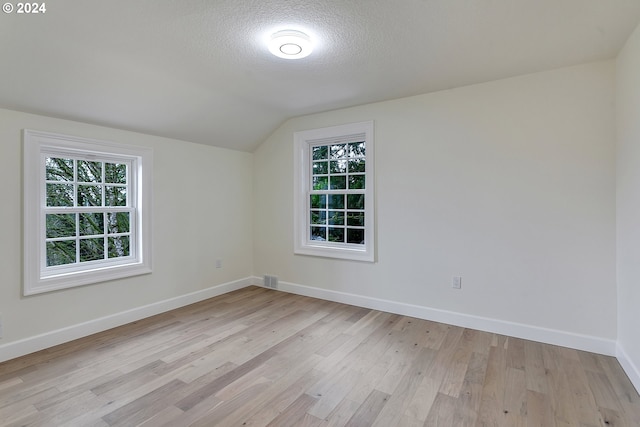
86, 277
340, 252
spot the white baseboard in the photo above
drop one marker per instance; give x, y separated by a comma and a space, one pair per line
566, 339
40, 342
632, 371
512, 329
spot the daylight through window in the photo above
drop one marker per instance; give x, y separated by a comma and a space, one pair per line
87, 214
338, 192
334, 192
87, 211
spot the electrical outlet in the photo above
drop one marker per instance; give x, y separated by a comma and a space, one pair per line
456, 282
0, 326
218, 263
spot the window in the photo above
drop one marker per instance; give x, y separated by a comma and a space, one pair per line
334, 213
87, 211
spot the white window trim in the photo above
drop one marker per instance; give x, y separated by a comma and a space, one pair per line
303, 141
35, 279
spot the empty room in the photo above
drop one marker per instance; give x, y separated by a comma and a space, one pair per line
328, 213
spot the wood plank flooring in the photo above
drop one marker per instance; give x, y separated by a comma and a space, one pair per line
259, 357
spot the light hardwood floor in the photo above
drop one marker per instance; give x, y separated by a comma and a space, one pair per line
259, 357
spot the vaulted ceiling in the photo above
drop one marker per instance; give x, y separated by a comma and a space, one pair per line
199, 70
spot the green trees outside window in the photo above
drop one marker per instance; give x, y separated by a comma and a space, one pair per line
337, 199
86, 213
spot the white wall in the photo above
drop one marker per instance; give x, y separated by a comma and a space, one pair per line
509, 184
202, 211
628, 205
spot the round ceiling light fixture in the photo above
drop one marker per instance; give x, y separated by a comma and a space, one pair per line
290, 44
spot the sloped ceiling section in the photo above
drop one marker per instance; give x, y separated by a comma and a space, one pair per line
198, 70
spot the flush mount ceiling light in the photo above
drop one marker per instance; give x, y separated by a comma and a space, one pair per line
290, 44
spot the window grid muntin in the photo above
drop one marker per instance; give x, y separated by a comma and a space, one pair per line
105, 235
338, 153
35, 279
130, 187
303, 140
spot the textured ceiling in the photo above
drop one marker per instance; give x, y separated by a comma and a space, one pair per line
198, 70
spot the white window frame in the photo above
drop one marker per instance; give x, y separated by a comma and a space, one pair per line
39, 278
303, 143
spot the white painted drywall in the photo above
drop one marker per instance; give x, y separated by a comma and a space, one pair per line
628, 202
509, 184
202, 212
